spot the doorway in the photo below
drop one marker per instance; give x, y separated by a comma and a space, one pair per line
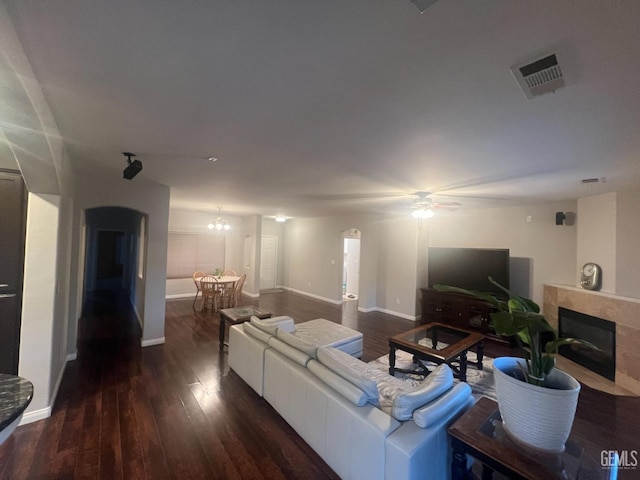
113, 277
351, 264
268, 262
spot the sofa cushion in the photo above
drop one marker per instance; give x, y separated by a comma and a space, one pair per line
325, 333
288, 351
442, 406
351, 369
339, 384
405, 402
297, 343
271, 325
261, 335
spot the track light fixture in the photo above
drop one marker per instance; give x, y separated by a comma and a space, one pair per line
132, 168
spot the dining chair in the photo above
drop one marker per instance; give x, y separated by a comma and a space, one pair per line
227, 292
197, 275
237, 291
230, 272
210, 292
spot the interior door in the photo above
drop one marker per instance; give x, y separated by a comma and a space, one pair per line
12, 229
268, 261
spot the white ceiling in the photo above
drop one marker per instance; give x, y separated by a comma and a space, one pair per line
317, 107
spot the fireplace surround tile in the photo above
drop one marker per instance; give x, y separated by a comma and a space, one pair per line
623, 311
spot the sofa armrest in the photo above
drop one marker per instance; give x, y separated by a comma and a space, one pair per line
410, 448
271, 325
443, 406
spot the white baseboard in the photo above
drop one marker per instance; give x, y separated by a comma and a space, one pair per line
151, 342
41, 414
179, 295
367, 309
413, 318
317, 297
30, 417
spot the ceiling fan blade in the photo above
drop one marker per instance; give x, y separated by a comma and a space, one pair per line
352, 196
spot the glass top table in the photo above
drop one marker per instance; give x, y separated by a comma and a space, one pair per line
481, 434
437, 343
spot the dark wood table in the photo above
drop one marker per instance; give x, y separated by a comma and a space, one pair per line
238, 315
438, 343
479, 433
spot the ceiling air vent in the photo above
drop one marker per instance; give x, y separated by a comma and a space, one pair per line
541, 76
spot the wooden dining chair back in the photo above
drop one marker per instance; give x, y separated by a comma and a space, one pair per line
210, 292
197, 275
230, 273
237, 291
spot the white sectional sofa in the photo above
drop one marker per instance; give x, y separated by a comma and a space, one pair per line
364, 423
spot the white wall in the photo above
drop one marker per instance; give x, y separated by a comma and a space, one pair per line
627, 244
596, 241
397, 264
152, 200
312, 262
37, 148
540, 250
38, 300
608, 233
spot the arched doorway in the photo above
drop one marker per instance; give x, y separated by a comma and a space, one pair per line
351, 264
114, 257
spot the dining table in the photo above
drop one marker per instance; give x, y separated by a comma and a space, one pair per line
224, 281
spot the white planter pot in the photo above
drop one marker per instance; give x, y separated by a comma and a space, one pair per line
540, 417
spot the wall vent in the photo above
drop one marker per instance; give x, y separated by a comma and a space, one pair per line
540, 76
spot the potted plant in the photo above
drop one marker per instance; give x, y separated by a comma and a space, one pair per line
536, 400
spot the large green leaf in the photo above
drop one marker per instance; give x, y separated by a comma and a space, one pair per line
552, 347
520, 303
487, 297
521, 318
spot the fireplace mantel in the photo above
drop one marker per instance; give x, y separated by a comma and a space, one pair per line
623, 311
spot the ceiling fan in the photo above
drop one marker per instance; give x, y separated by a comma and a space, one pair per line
424, 206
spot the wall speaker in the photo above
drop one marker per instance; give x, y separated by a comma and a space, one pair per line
560, 217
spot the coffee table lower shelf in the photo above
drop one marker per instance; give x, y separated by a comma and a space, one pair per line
235, 316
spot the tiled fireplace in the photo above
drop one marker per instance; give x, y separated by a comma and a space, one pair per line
622, 311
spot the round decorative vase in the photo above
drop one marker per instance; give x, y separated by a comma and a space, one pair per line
539, 417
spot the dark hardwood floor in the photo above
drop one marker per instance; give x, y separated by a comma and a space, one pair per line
177, 411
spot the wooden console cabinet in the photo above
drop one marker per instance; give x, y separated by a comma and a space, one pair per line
457, 310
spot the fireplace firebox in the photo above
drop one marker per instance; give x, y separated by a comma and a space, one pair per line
600, 332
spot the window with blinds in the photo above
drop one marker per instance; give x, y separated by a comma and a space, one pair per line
188, 252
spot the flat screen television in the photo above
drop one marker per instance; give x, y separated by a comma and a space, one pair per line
469, 268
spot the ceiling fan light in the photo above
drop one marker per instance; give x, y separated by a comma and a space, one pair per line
227, 226
423, 213
211, 225
218, 226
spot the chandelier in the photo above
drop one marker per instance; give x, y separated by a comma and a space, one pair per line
219, 223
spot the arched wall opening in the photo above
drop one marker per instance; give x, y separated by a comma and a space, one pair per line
113, 247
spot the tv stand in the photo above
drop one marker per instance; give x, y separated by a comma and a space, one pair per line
457, 310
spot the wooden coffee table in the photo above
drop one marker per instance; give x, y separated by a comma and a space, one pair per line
238, 315
479, 433
438, 343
